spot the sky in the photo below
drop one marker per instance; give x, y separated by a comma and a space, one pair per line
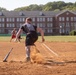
12, 4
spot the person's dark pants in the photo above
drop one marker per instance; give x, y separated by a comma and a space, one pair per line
31, 39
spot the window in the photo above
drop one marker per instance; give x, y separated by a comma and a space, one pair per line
61, 30
67, 18
72, 24
43, 24
19, 25
40, 19
67, 24
10, 19
49, 24
20, 19
62, 18
23, 19
1, 24
10, 25
7, 25
49, 31
61, 25
17, 19
40, 24
1, 30
43, 19
72, 19
49, 19
2, 19
67, 30
1, 13
33, 19
75, 23
13, 19
7, 19
59, 18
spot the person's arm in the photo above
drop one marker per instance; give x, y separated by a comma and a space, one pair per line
42, 33
11, 32
18, 34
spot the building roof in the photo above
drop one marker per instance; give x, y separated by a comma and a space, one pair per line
32, 13
64, 12
28, 13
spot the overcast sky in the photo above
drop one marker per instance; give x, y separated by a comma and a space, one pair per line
12, 4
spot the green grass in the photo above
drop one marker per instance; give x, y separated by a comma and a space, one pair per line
4, 38
47, 38
7, 38
60, 38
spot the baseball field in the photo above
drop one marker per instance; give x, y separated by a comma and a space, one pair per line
56, 56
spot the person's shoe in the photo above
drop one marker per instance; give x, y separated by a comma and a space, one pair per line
28, 59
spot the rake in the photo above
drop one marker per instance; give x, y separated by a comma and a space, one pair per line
7, 55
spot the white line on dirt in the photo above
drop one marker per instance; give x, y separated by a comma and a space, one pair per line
50, 49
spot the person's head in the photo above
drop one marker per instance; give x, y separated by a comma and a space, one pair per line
28, 20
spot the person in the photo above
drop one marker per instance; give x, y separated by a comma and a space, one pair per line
19, 37
31, 35
13, 34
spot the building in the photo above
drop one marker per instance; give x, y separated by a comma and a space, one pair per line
53, 23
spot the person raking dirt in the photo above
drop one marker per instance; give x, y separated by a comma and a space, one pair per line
31, 35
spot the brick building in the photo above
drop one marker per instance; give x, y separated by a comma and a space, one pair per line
53, 23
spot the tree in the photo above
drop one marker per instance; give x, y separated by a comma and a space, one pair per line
3, 9
50, 6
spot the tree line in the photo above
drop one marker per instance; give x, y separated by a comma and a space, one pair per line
50, 6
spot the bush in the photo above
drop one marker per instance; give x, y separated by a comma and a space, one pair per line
73, 32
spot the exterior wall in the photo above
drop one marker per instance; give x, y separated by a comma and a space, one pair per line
61, 23
65, 22
2, 24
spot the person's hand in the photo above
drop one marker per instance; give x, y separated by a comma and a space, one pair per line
43, 39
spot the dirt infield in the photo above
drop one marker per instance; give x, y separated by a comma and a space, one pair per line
44, 62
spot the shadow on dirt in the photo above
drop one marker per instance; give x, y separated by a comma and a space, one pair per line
62, 63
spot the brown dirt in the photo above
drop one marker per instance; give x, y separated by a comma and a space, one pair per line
44, 62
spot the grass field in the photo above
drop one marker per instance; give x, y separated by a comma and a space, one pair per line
47, 38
